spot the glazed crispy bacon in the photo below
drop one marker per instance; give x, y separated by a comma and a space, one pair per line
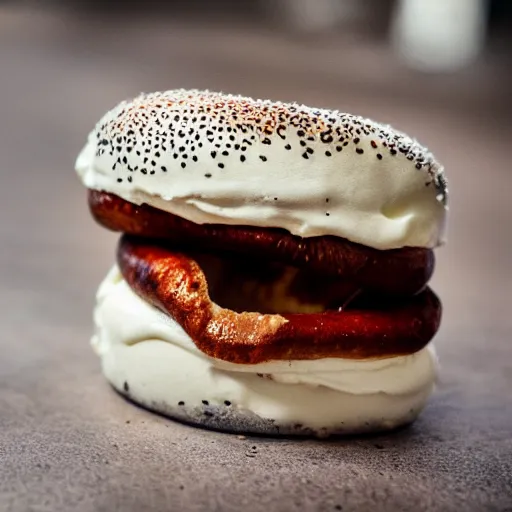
165, 260
176, 284
396, 272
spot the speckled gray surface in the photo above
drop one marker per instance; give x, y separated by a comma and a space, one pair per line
69, 442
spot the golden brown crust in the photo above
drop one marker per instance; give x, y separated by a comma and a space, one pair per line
176, 284
399, 272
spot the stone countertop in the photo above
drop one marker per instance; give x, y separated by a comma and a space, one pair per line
69, 442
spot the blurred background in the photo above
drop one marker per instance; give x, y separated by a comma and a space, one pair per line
436, 69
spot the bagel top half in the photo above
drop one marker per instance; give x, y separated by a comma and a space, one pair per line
213, 158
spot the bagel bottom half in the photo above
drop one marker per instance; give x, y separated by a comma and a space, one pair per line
150, 359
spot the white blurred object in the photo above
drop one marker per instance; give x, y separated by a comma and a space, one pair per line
439, 35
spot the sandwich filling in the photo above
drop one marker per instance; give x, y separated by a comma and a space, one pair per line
175, 283
124, 321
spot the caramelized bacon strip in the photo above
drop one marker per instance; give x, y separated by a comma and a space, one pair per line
175, 283
399, 272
